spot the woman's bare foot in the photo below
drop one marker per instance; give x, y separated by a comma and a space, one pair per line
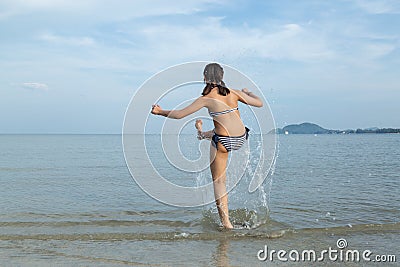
199, 125
227, 225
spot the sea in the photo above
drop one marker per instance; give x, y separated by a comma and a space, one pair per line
328, 200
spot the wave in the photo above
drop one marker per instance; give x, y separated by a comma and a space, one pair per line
108, 223
161, 236
169, 233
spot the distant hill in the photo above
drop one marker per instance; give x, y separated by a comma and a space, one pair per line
303, 128
311, 128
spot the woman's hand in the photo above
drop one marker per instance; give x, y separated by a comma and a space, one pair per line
246, 91
156, 109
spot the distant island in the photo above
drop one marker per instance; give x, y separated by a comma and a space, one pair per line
311, 128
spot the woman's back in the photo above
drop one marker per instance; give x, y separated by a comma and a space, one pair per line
226, 117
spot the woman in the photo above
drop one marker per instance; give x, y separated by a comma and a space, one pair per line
229, 132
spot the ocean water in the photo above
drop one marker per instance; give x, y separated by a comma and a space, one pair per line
69, 200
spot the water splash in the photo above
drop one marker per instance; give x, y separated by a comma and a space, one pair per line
247, 210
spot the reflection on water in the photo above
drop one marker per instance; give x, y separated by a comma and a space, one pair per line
220, 255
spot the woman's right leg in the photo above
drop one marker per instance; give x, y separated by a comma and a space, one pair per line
218, 160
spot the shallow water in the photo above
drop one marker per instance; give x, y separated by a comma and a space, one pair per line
70, 200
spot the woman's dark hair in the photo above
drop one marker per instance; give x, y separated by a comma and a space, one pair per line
213, 75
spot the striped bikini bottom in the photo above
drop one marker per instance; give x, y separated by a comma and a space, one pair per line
230, 142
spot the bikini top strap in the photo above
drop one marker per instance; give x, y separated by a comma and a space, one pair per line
213, 114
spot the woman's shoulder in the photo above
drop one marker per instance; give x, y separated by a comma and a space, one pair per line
235, 93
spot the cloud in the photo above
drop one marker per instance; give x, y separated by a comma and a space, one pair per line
103, 10
75, 41
35, 86
150, 43
378, 50
210, 38
146, 46
379, 6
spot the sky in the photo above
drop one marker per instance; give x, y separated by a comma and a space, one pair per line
73, 66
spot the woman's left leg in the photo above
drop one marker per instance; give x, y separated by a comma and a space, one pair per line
219, 160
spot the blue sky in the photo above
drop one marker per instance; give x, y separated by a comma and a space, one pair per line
72, 66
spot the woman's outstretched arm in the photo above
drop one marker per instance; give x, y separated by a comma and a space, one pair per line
179, 113
247, 97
